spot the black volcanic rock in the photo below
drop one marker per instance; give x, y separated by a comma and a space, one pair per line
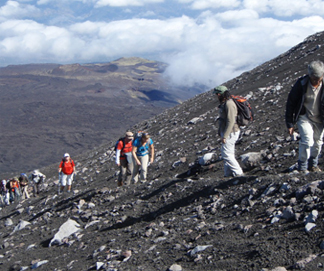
187, 215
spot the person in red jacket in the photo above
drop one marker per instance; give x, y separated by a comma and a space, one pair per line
124, 159
66, 172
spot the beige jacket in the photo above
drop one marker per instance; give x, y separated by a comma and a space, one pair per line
227, 119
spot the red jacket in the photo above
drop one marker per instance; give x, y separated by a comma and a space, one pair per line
68, 167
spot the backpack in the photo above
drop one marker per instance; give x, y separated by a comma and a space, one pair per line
244, 110
138, 134
120, 139
63, 161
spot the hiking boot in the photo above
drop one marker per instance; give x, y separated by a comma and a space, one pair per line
120, 183
315, 169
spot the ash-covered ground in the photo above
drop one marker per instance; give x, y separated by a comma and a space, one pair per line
187, 216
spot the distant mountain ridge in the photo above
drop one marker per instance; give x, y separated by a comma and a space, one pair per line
49, 109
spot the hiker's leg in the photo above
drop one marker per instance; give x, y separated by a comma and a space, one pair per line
69, 182
231, 166
122, 172
17, 194
135, 171
63, 181
26, 192
317, 146
129, 173
144, 161
306, 141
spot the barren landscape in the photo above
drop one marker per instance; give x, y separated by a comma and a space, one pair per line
187, 216
49, 109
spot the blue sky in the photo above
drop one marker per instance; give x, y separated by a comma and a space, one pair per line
203, 41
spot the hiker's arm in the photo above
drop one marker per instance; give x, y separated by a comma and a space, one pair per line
117, 160
152, 152
134, 149
230, 119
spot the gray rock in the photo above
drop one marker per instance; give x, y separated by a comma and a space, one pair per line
251, 159
288, 214
198, 249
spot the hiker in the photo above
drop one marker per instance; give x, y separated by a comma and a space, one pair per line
142, 147
124, 159
37, 179
66, 172
305, 107
229, 131
4, 193
14, 190
23, 182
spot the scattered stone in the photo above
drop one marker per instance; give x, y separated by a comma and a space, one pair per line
68, 228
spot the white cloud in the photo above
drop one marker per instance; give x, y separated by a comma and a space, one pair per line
209, 48
206, 4
13, 9
287, 8
124, 3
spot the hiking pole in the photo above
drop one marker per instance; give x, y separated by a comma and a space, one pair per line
59, 183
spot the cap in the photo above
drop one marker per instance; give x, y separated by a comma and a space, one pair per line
66, 155
220, 90
129, 134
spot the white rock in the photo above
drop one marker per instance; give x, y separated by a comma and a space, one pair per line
194, 120
204, 160
38, 264
198, 249
175, 267
68, 228
279, 268
8, 222
99, 265
309, 226
22, 224
311, 218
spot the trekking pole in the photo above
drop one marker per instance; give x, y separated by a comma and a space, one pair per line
59, 183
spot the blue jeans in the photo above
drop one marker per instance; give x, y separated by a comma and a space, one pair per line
310, 144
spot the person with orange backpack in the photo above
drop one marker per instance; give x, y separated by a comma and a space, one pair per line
66, 172
14, 189
229, 131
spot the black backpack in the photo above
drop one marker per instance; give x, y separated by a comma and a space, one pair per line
120, 139
244, 110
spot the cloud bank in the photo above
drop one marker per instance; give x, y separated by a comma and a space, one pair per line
205, 41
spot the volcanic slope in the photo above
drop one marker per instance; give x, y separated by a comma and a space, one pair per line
49, 109
187, 216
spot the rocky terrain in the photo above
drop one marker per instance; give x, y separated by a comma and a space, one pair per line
49, 109
187, 216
